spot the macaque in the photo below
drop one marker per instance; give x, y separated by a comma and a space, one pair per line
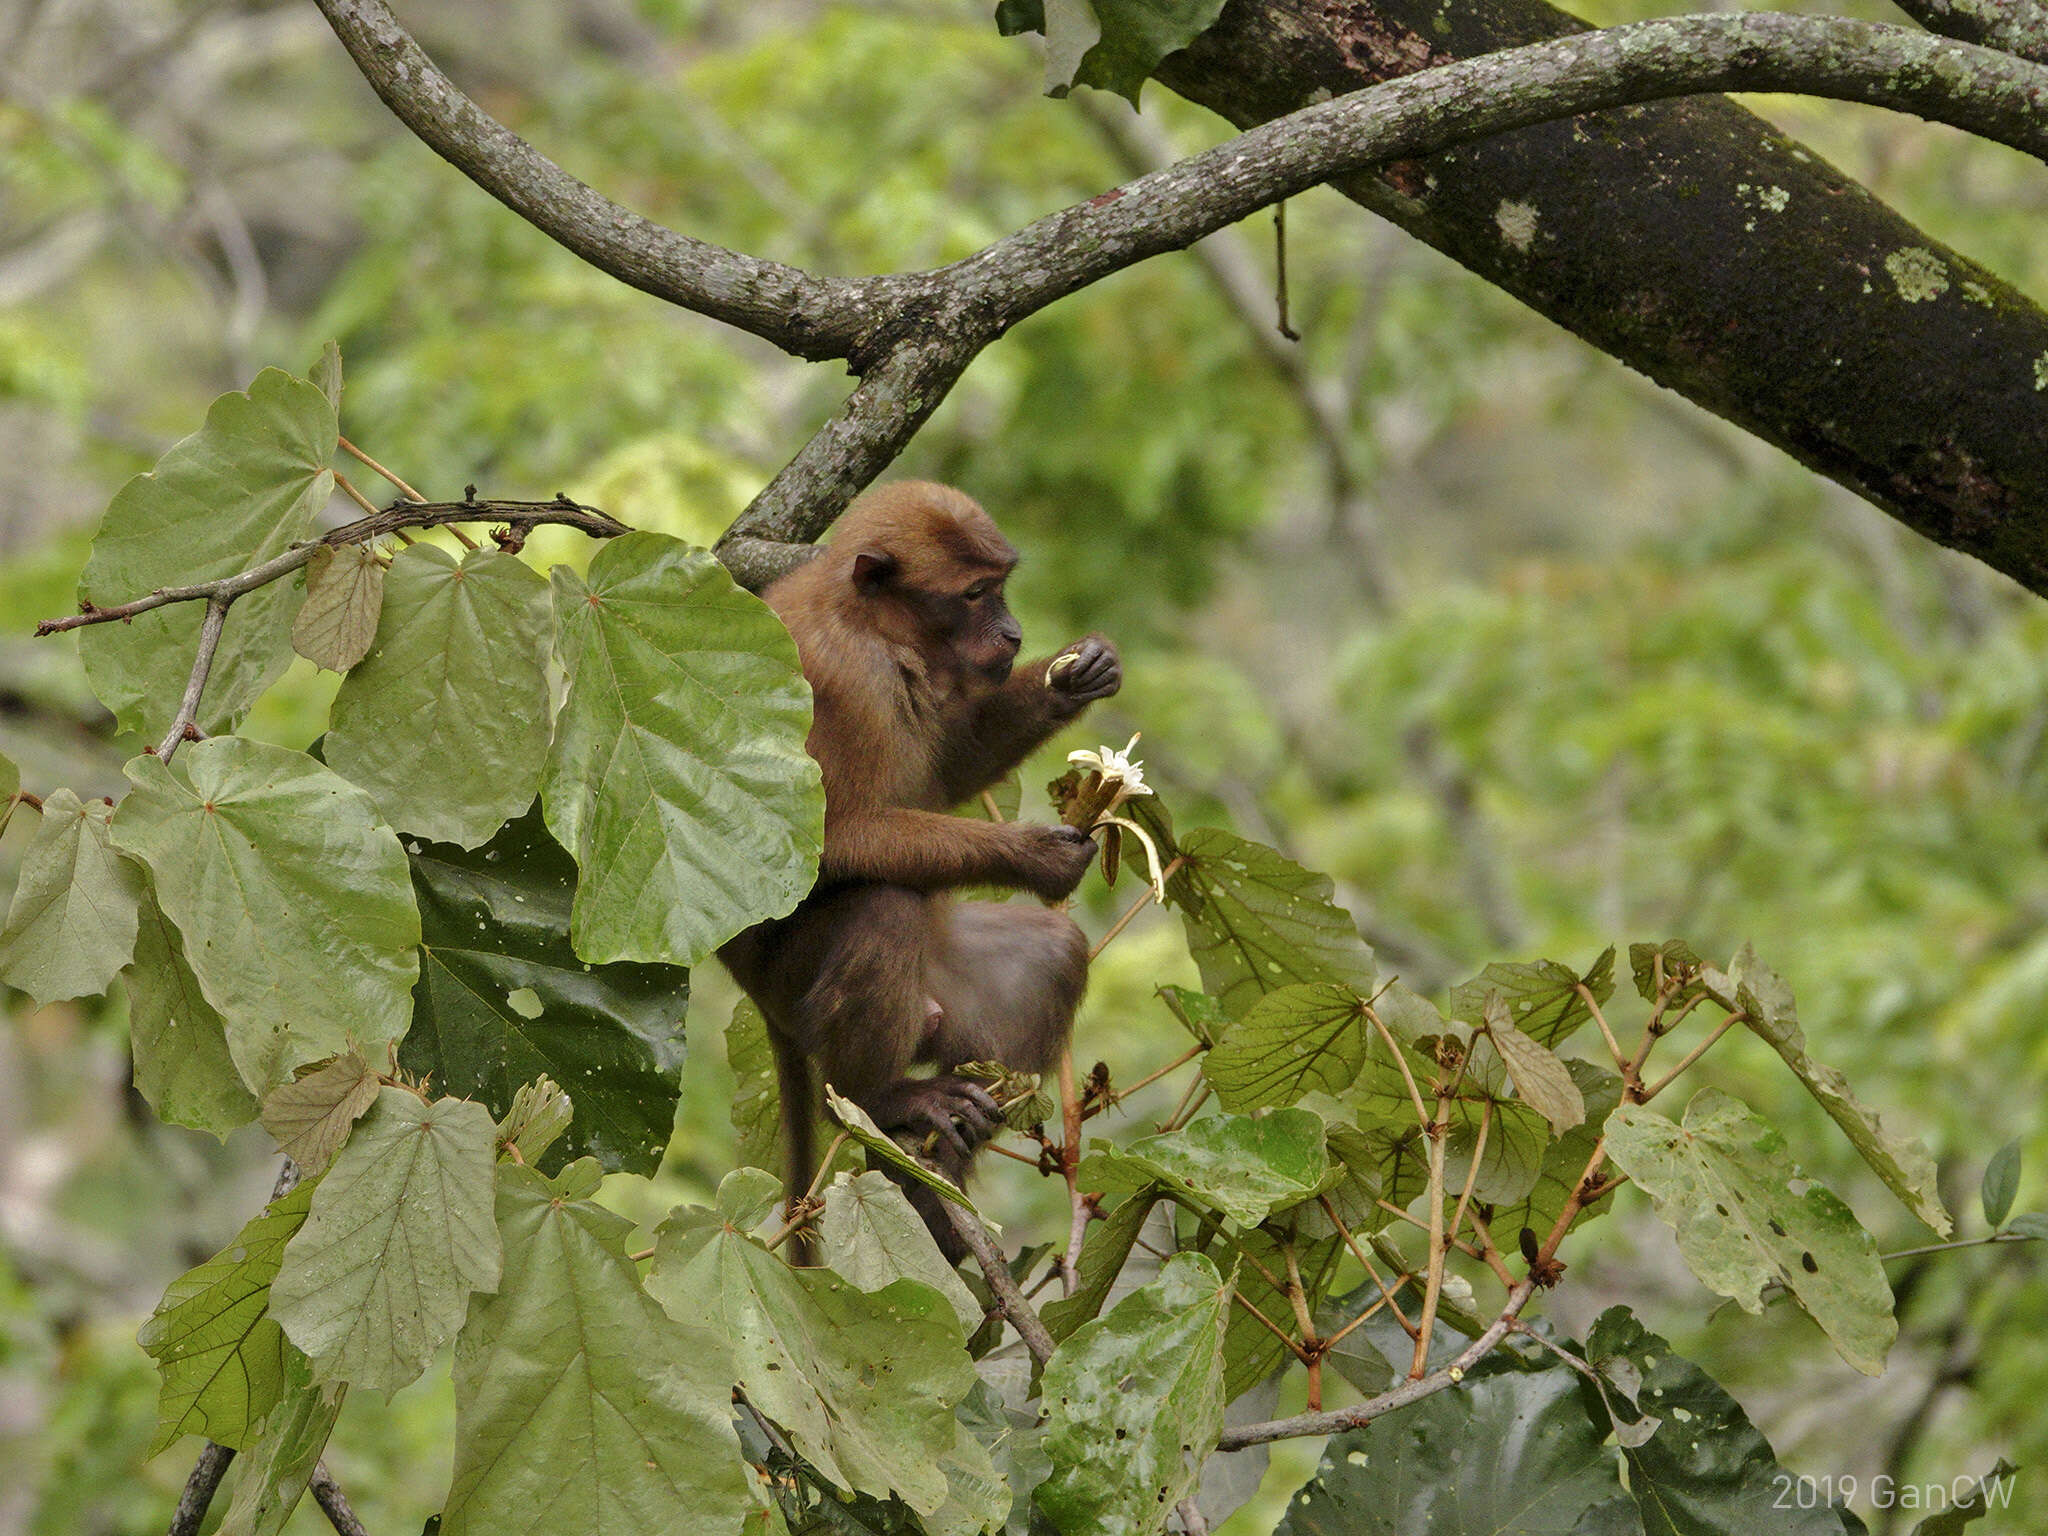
910, 649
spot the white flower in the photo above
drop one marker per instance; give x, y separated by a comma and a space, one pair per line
1119, 766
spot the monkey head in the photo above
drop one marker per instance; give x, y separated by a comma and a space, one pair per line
928, 566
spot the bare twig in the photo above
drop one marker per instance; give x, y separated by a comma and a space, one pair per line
1337, 1420
1027, 1322
363, 458
520, 516
1078, 1208
334, 1503
202, 668
207, 1472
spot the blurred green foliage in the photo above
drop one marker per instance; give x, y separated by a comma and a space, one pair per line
1640, 675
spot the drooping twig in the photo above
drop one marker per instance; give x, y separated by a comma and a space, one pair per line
334, 1503
1015, 1308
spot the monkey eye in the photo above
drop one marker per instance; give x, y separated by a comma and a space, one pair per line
978, 591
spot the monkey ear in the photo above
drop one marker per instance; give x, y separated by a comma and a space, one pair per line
873, 569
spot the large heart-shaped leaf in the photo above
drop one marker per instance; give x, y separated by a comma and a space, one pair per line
502, 999
1510, 1450
445, 721
291, 896
864, 1384
1135, 1403
1745, 1216
678, 779
581, 1409
1244, 1167
241, 489
1257, 921
401, 1232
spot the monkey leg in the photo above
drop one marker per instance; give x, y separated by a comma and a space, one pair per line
1007, 977
868, 1014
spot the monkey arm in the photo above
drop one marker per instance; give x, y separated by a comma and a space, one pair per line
929, 850
1014, 721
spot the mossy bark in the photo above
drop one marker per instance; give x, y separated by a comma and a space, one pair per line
1698, 244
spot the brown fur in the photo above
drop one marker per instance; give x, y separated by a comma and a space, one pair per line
917, 707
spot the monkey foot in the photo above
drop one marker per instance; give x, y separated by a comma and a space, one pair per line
958, 1111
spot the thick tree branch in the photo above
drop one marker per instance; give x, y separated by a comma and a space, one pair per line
1696, 243
1989, 93
2012, 26
912, 336
1027, 1323
804, 314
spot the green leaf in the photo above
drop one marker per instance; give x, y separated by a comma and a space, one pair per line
1900, 1161
309, 1117
2032, 1224
325, 374
1745, 1216
756, 1097
1134, 1403
221, 1354
1564, 1162
1257, 922
1105, 1245
1135, 36
581, 1409
239, 491
1539, 1077
540, 1113
180, 1044
864, 1385
1244, 1167
502, 999
2001, 1184
870, 1235
278, 1466
679, 778
862, 1129
1993, 1490
1526, 1460
1705, 1470
290, 894
1676, 954
1290, 1042
71, 925
1542, 999
400, 1234
446, 720
344, 594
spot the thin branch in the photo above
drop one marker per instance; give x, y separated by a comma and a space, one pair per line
520, 516
195, 685
1337, 1420
1030, 1328
361, 457
1691, 1056
334, 1503
1078, 1211
207, 1472
804, 314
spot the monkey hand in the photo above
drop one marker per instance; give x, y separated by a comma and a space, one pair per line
1094, 672
958, 1111
1052, 860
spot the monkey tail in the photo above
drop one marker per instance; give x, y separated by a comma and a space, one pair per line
799, 1126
